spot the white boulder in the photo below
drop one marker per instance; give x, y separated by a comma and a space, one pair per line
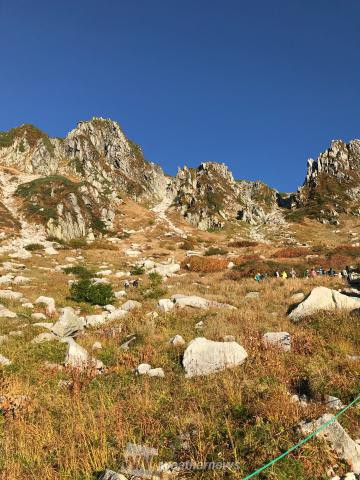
322, 298
203, 357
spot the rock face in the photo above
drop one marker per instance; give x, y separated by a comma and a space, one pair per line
203, 357
332, 184
74, 186
209, 196
322, 298
338, 438
102, 163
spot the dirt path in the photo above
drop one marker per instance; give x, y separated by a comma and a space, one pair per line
160, 212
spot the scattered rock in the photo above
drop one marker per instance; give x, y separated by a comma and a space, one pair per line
96, 320
177, 341
281, 340
49, 302
78, 357
252, 295
165, 304
120, 294
203, 357
10, 295
38, 316
156, 372
143, 368
4, 312
130, 305
4, 361
68, 324
97, 346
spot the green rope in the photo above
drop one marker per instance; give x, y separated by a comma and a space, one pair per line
267, 465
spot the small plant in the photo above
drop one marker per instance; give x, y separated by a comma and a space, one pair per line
215, 251
94, 293
155, 278
137, 270
79, 271
33, 247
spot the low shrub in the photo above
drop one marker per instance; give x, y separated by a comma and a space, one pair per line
205, 264
94, 293
291, 252
33, 247
242, 244
215, 251
137, 270
79, 271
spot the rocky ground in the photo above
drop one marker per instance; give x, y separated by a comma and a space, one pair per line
199, 363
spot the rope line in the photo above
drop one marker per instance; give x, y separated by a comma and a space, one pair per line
306, 439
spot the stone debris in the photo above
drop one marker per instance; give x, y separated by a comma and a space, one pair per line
49, 302
4, 361
146, 369
165, 304
78, 357
177, 341
281, 340
6, 313
130, 305
10, 295
252, 295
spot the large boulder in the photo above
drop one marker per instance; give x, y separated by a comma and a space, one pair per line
322, 298
203, 357
338, 438
68, 324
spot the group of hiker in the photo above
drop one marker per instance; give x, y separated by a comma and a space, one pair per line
312, 273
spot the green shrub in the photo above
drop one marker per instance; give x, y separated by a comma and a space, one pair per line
32, 247
79, 271
94, 293
155, 278
137, 270
215, 251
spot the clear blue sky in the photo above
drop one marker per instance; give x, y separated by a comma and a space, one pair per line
260, 85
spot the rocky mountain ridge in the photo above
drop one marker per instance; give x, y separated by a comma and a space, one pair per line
79, 182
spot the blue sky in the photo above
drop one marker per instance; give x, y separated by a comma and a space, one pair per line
259, 85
